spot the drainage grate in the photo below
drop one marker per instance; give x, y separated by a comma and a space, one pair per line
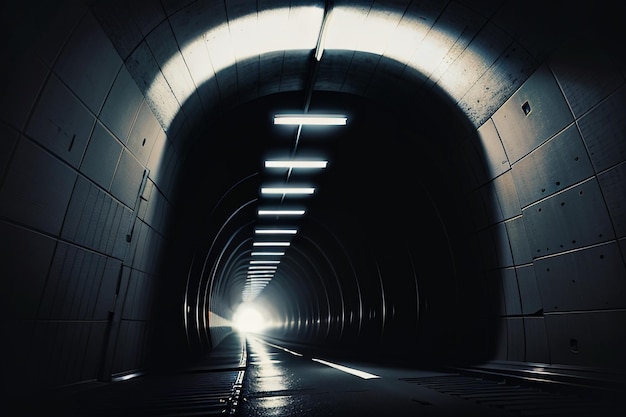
515, 399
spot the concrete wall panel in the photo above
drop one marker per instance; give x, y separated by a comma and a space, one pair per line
37, 188
557, 164
578, 280
536, 338
507, 195
613, 184
529, 290
561, 222
604, 131
121, 105
585, 83
88, 63
535, 113
102, 156
127, 180
518, 239
26, 258
588, 339
62, 129
143, 134
91, 206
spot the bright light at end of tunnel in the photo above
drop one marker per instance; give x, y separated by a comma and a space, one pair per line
247, 319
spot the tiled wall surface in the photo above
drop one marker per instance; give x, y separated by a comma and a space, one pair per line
84, 196
554, 154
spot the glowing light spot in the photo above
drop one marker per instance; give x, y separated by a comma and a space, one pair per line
247, 319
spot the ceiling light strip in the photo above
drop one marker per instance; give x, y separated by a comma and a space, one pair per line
311, 119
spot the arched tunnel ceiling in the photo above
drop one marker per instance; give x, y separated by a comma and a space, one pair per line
215, 72
204, 57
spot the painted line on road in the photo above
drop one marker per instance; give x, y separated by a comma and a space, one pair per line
352, 371
279, 347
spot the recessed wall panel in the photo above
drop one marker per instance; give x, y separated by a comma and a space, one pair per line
121, 105
502, 245
73, 284
588, 279
537, 349
518, 239
529, 290
604, 131
88, 63
26, 256
105, 302
490, 146
37, 188
555, 165
157, 154
533, 114
143, 134
127, 179
102, 156
90, 206
507, 195
61, 123
613, 185
562, 221
590, 339
585, 82
511, 292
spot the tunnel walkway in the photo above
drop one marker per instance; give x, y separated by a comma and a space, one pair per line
260, 377
209, 386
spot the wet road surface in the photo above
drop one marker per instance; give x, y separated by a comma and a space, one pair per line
254, 377
284, 382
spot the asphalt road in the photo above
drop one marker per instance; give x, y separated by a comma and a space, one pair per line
284, 382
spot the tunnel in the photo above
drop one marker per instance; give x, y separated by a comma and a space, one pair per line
469, 212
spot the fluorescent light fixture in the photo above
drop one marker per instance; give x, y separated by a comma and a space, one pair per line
276, 231
281, 212
267, 267
295, 164
268, 253
287, 190
260, 277
319, 48
311, 119
270, 244
264, 262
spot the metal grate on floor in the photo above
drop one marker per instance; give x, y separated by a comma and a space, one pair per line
210, 386
517, 399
